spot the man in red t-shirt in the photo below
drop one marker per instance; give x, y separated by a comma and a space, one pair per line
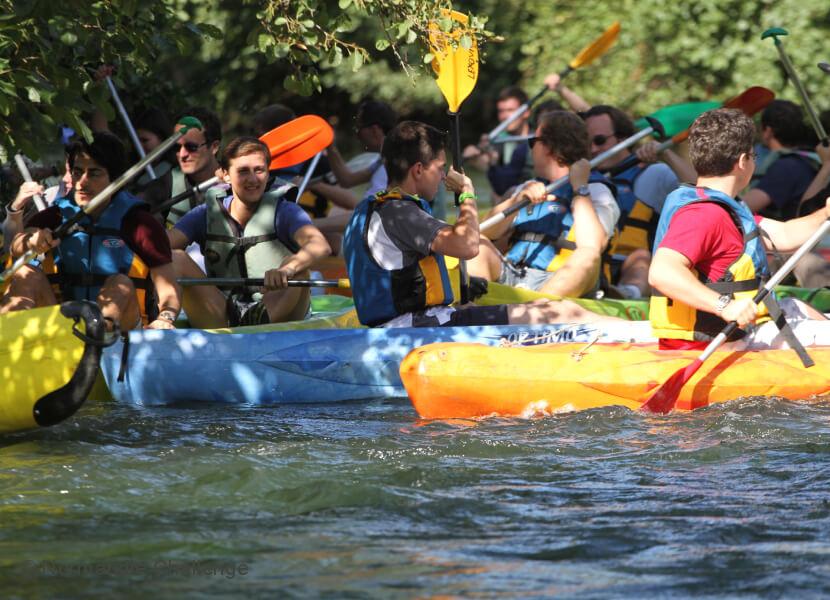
699, 243
138, 245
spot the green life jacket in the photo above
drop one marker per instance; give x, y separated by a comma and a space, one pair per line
179, 185
250, 252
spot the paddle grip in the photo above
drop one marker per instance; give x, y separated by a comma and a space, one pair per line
40, 203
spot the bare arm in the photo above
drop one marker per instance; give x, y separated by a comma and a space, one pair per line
337, 194
313, 246
756, 199
178, 240
462, 239
822, 178
345, 177
574, 100
789, 235
169, 295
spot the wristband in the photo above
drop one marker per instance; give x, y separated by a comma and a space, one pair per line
466, 196
167, 315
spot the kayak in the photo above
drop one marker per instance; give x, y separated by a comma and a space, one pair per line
48, 361
470, 380
281, 363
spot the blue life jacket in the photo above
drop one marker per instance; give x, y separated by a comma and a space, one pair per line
672, 318
95, 250
541, 231
380, 294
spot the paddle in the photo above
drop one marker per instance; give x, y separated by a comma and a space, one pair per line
457, 71
290, 144
308, 173
664, 399
750, 101
587, 55
259, 282
128, 124
187, 123
551, 187
40, 203
775, 33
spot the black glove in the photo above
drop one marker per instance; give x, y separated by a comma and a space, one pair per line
477, 288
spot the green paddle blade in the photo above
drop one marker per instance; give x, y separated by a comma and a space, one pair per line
678, 117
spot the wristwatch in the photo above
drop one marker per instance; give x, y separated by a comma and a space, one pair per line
722, 303
584, 190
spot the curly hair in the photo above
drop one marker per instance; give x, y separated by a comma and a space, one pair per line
717, 138
565, 135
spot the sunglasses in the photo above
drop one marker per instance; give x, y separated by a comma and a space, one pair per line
599, 140
190, 146
531, 141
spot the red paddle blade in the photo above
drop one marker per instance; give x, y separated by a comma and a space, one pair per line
752, 100
297, 141
663, 400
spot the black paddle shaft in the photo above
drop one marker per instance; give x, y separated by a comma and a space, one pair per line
455, 140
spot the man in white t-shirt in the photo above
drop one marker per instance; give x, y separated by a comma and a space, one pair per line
555, 245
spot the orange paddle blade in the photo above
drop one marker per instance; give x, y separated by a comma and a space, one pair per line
297, 140
455, 65
752, 100
597, 48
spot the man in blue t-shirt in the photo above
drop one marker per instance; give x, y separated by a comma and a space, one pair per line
247, 234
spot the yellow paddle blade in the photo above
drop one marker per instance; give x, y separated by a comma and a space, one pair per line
455, 65
597, 48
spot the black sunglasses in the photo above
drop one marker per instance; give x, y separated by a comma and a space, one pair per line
599, 140
531, 141
190, 146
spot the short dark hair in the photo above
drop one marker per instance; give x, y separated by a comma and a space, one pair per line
622, 123
156, 121
543, 108
787, 122
409, 143
243, 146
212, 128
105, 149
565, 136
512, 91
717, 138
375, 112
271, 117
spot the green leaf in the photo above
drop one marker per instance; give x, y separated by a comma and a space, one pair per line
381, 44
69, 38
357, 60
264, 41
466, 42
344, 4
428, 58
34, 95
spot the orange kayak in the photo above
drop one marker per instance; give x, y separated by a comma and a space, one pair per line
454, 380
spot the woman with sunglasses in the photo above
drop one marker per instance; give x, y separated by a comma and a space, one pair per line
554, 246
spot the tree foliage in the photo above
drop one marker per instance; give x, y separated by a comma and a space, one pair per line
322, 56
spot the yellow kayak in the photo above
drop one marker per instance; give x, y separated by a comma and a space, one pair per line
48, 363
453, 380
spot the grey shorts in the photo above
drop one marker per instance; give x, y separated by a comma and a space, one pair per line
531, 279
243, 312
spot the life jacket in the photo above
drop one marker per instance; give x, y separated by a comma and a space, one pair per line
671, 318
380, 294
179, 185
161, 168
542, 236
250, 252
95, 250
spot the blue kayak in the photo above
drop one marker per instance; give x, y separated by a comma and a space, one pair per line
268, 365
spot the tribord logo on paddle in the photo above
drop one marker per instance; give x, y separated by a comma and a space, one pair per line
113, 243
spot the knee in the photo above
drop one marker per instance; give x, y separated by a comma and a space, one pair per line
118, 285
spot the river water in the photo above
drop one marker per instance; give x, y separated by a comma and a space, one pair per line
365, 501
